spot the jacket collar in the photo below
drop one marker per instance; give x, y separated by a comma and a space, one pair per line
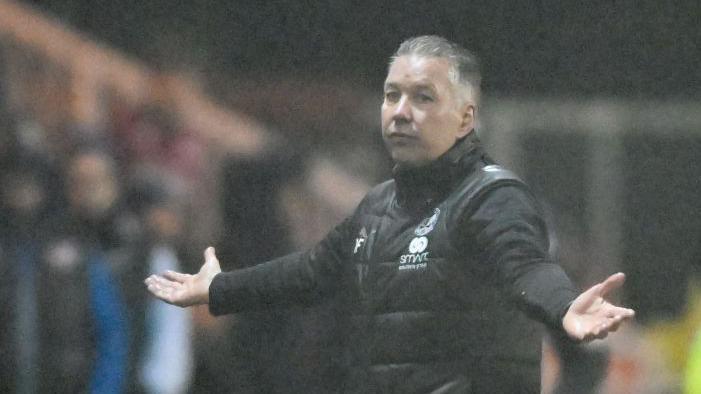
418, 188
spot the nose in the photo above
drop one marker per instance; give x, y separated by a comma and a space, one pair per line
402, 110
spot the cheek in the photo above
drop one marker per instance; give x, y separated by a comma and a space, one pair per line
425, 123
385, 117
438, 135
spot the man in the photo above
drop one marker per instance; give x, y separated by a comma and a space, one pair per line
86, 306
440, 265
165, 349
63, 322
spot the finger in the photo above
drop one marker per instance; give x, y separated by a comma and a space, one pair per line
615, 323
157, 290
615, 311
601, 331
592, 330
626, 313
164, 289
209, 254
176, 276
152, 280
611, 325
602, 334
612, 282
580, 336
591, 334
586, 299
165, 284
150, 284
166, 294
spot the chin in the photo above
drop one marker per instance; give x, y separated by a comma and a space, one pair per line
410, 161
406, 156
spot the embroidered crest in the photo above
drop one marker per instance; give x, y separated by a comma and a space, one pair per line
426, 225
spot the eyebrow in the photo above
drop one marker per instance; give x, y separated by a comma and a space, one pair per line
417, 86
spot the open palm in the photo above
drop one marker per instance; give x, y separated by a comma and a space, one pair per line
184, 289
591, 316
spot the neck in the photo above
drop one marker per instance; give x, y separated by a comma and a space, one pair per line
451, 156
421, 186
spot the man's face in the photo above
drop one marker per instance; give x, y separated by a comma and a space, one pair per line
422, 115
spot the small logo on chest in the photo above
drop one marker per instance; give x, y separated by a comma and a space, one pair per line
417, 257
418, 245
426, 225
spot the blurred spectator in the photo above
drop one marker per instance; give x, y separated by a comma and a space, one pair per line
24, 192
153, 136
90, 317
166, 360
151, 141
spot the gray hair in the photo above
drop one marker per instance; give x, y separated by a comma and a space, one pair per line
464, 71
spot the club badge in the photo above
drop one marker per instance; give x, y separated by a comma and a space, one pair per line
426, 225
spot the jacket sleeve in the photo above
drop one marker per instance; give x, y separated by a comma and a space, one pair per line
295, 279
511, 242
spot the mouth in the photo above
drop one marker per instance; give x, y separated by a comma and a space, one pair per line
400, 139
395, 135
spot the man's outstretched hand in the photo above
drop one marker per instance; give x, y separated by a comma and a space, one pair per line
592, 317
185, 289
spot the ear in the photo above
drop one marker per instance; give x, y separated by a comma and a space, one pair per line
468, 120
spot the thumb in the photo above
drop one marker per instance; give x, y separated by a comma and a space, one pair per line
209, 254
586, 299
612, 282
211, 260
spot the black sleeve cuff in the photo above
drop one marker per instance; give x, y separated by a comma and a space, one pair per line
278, 283
546, 294
238, 291
218, 304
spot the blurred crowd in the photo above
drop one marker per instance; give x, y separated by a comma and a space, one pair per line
96, 196
83, 222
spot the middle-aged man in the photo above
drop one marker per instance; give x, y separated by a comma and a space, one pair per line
445, 267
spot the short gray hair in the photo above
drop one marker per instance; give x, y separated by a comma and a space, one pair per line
464, 70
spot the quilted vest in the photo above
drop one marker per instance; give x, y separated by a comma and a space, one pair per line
422, 304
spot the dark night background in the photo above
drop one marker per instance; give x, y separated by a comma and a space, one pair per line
633, 49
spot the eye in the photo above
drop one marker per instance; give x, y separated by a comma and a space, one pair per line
392, 96
424, 98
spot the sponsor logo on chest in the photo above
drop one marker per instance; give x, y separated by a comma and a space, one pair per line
418, 255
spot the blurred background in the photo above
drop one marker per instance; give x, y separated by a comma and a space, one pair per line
134, 134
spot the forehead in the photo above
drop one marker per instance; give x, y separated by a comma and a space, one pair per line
418, 70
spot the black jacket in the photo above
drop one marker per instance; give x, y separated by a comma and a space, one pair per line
438, 267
